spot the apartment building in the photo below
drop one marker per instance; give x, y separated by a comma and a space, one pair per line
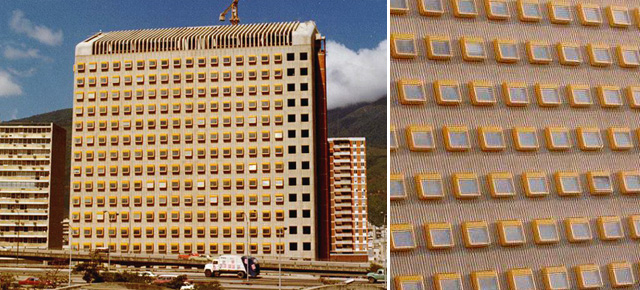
348, 188
201, 139
32, 162
515, 144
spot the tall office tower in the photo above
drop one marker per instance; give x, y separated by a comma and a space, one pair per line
515, 156
32, 162
201, 139
348, 188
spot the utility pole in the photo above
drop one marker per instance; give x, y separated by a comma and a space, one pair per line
279, 257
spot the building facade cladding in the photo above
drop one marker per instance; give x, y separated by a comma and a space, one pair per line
31, 185
348, 189
197, 140
466, 200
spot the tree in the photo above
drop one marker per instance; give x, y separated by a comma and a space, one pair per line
374, 267
91, 269
6, 280
52, 278
177, 282
215, 285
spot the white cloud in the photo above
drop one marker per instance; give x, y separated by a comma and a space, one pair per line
14, 114
355, 76
11, 52
8, 87
41, 33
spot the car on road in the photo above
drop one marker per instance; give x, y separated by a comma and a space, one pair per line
377, 276
34, 281
147, 274
233, 264
201, 258
187, 256
163, 279
187, 286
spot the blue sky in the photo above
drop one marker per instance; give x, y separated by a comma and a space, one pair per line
38, 37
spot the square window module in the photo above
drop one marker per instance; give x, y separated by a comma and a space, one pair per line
409, 283
633, 96
402, 237
447, 92
634, 226
439, 236
599, 182
506, 50
393, 139
545, 231
588, 276
482, 93
420, 138
560, 13
548, 95
557, 138
464, 8
501, 184
429, 186
618, 16
431, 7
609, 96
619, 138
529, 10
438, 47
447, 281
589, 14
599, 55
525, 138
568, 183
398, 6
628, 56
465, 185
556, 278
485, 280
538, 52
521, 279
511, 233
610, 228
569, 53
589, 138
411, 92
491, 138
629, 181
397, 188
456, 138
476, 234
535, 184
515, 94
403, 46
579, 95
621, 274
473, 49
497, 9
577, 230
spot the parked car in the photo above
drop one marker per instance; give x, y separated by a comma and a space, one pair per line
187, 286
233, 264
147, 274
378, 276
201, 258
33, 281
163, 279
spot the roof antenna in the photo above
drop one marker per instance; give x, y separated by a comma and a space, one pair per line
234, 13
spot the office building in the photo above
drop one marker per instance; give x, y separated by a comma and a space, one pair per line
201, 139
514, 159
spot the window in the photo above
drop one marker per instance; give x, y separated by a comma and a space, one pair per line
569, 53
438, 47
482, 93
560, 12
403, 46
589, 14
439, 236
629, 181
610, 228
393, 139
521, 279
506, 50
525, 138
621, 274
411, 92
599, 182
556, 278
538, 52
618, 16
464, 8
545, 231
476, 234
529, 10
633, 95
557, 138
511, 232
589, 138
497, 9
620, 138
628, 56
588, 276
515, 94
609, 96
447, 92
429, 186
456, 138
577, 229
399, 7
402, 237
599, 55
567, 183
485, 280
398, 190
409, 282
420, 138
446, 281
501, 184
491, 138
431, 7
465, 185
535, 184
548, 95
634, 226
472, 48
579, 95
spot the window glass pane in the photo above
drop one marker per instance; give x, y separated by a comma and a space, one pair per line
582, 96
450, 93
503, 185
441, 47
528, 139
620, 16
484, 94
591, 14
494, 139
570, 184
562, 12
632, 181
399, 4
411, 285
636, 97
560, 138
467, 6
403, 239
630, 56
475, 49
602, 55
434, 5
432, 187
612, 229
612, 97
422, 139
513, 234
499, 8
478, 235
531, 9
550, 96
393, 140
558, 280
623, 275
450, 284
548, 232
459, 139
571, 53
591, 277
413, 92
468, 186
581, 230
405, 46
441, 237
541, 52
592, 139
537, 184
524, 282
488, 283
397, 188
518, 95
509, 50
602, 182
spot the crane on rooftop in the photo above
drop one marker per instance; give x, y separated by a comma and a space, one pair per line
234, 13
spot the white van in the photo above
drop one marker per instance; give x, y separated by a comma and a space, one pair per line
233, 264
